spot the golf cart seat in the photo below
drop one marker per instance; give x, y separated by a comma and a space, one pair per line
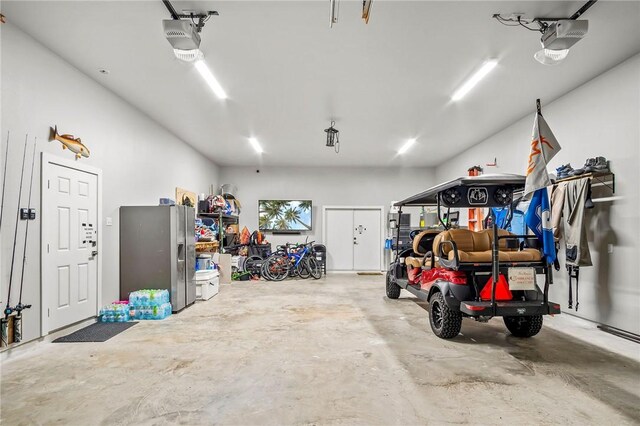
422, 244
465, 246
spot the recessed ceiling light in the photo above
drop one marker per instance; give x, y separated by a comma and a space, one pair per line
103, 71
206, 74
256, 145
406, 146
474, 79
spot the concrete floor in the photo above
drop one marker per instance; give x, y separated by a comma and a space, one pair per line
333, 351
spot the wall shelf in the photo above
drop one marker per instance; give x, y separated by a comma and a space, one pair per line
222, 219
229, 217
607, 179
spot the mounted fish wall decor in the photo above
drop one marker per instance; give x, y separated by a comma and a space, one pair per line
69, 141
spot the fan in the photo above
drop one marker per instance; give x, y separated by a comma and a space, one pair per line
503, 196
451, 196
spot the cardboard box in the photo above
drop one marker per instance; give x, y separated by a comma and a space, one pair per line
224, 268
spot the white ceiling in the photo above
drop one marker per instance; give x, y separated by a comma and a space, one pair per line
287, 74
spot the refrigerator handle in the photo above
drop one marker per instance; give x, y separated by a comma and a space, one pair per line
181, 252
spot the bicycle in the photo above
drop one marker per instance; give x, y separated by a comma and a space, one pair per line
291, 260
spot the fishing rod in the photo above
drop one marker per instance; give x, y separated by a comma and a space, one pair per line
8, 310
4, 177
17, 320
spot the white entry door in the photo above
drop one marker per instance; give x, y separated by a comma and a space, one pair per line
339, 240
70, 245
366, 240
353, 239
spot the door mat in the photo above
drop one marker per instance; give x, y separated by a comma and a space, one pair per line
98, 332
369, 273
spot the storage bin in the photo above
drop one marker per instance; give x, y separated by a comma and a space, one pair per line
207, 284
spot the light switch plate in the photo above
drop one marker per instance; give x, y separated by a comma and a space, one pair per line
109, 221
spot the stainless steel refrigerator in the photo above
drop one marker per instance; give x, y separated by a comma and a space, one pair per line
157, 250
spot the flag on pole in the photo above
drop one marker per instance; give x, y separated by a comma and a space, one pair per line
538, 219
544, 146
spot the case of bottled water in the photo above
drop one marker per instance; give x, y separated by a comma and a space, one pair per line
116, 312
149, 304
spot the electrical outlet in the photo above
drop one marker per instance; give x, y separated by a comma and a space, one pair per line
610, 248
108, 221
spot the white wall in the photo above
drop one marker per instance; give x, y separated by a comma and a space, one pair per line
599, 118
325, 187
140, 160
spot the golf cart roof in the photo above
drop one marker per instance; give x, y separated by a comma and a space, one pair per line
487, 183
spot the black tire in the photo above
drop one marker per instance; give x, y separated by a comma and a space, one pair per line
393, 289
313, 267
302, 269
277, 267
264, 271
445, 322
524, 326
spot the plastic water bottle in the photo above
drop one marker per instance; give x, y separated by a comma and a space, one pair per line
133, 298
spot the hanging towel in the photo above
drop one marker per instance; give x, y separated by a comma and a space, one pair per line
557, 205
575, 232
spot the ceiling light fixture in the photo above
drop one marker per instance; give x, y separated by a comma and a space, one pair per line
550, 56
333, 137
208, 77
183, 32
558, 34
558, 38
474, 79
404, 148
256, 145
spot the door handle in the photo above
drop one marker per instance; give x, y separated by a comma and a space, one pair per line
94, 253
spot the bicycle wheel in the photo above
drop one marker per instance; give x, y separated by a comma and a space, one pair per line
264, 271
302, 268
314, 267
277, 267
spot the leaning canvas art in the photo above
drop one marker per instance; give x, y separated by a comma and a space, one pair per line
185, 197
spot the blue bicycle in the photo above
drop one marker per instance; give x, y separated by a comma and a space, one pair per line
291, 260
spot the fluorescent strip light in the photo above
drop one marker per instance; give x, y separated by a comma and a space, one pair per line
474, 79
406, 146
210, 79
255, 145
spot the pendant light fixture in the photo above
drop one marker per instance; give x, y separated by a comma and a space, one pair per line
333, 137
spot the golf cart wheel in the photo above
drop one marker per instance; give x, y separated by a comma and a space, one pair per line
524, 326
445, 322
393, 289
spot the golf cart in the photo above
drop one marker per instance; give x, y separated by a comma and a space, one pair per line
480, 275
